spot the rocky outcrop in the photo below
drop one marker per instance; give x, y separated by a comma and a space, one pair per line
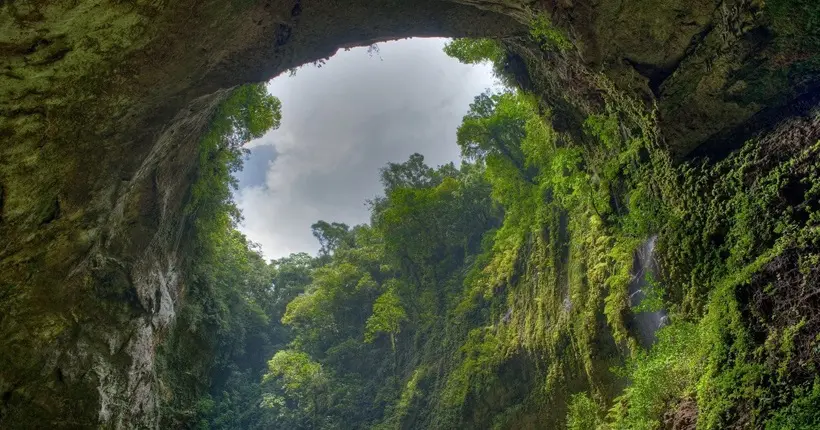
717, 71
101, 109
102, 105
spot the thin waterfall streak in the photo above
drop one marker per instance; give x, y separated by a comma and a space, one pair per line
644, 325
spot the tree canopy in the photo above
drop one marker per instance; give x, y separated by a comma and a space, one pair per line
501, 293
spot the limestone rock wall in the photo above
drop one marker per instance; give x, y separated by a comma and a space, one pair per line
102, 104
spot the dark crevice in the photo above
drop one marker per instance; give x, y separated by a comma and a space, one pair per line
517, 67
656, 75
693, 44
53, 213
2, 201
10, 74
283, 34
37, 45
794, 193
157, 305
153, 208
52, 58
24, 111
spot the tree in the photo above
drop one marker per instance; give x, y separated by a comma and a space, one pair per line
297, 371
478, 51
291, 275
474, 51
301, 379
495, 126
413, 173
330, 236
424, 225
388, 314
250, 112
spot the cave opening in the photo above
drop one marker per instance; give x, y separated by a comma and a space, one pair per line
491, 295
344, 119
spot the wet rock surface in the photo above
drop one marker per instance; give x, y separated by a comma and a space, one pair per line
102, 106
645, 321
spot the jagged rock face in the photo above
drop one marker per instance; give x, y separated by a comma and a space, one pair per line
102, 105
716, 71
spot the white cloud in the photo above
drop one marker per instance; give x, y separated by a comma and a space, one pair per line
344, 121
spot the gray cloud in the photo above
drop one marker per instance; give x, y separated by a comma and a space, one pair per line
255, 169
341, 123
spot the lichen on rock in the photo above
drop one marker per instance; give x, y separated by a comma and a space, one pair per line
103, 104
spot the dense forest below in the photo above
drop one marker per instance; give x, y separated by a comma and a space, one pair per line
631, 242
581, 280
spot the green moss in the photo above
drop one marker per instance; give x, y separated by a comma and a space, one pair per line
792, 54
658, 377
584, 413
549, 36
802, 413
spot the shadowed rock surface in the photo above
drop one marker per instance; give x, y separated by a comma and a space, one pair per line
102, 105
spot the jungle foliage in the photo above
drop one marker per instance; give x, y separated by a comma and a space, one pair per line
495, 294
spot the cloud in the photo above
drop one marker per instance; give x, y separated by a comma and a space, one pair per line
341, 123
255, 170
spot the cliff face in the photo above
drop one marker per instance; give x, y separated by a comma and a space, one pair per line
102, 105
717, 72
102, 108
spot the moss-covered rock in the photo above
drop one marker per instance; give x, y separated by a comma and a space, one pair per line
102, 105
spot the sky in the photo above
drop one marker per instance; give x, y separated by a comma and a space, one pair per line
341, 122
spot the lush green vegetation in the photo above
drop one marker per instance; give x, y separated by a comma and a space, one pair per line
229, 324
496, 294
